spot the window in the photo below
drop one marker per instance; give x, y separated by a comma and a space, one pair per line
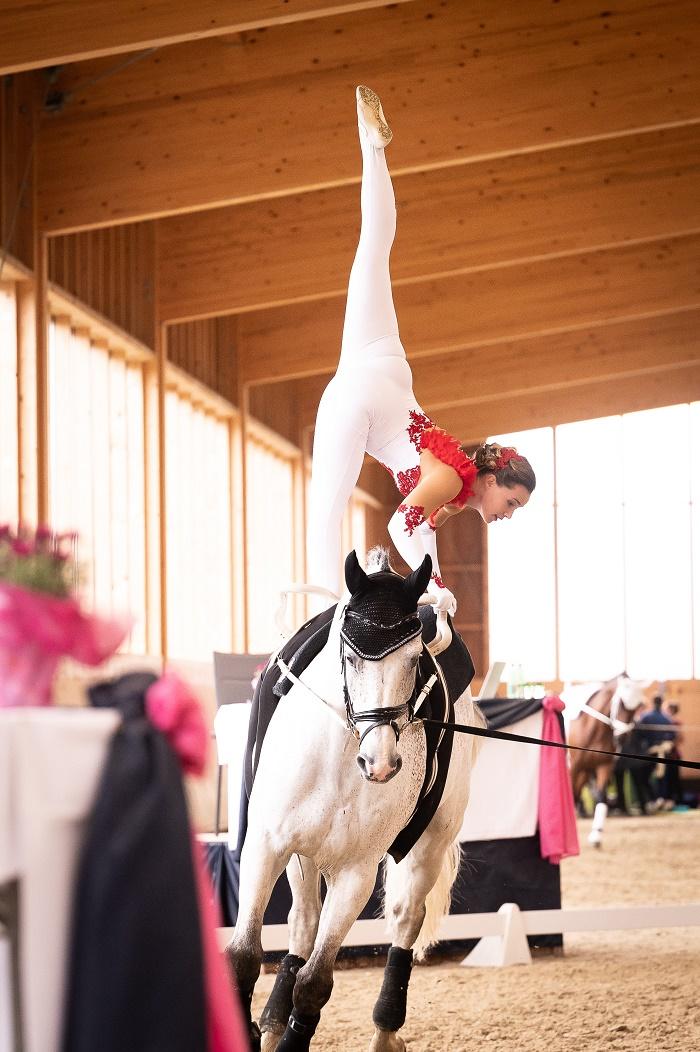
96, 469
522, 617
199, 582
9, 429
272, 528
626, 511
590, 549
657, 509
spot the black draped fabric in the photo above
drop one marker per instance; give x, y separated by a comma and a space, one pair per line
493, 872
504, 712
136, 980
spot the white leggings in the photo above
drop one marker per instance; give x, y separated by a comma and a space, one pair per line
369, 405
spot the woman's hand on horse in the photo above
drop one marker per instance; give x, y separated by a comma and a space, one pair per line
443, 598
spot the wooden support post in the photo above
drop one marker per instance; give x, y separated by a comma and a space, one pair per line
41, 344
244, 408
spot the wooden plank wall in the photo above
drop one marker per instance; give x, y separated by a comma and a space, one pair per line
207, 350
113, 271
18, 115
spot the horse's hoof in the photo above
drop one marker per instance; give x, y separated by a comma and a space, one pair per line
270, 1040
255, 1038
385, 1041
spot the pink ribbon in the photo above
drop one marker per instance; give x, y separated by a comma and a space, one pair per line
556, 813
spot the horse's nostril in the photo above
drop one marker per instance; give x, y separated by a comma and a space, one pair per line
361, 762
399, 761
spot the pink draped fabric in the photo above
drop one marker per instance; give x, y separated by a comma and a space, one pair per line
172, 708
556, 814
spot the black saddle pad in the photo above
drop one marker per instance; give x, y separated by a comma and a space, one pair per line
298, 653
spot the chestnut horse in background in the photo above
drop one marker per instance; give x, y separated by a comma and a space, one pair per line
616, 702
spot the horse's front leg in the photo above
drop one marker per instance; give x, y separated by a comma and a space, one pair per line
431, 864
305, 882
260, 868
347, 894
600, 813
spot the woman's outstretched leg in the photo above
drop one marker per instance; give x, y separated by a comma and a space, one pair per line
346, 410
369, 313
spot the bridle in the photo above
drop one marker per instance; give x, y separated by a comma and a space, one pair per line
391, 714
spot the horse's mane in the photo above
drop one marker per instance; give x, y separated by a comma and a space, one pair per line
378, 560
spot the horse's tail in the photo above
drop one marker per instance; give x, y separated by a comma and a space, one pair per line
437, 903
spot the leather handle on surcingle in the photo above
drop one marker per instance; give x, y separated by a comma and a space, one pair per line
443, 632
297, 589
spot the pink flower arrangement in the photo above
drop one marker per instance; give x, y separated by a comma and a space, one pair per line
40, 616
40, 559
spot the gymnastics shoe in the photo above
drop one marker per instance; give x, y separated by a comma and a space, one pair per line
371, 117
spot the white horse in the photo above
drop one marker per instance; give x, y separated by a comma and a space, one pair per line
329, 801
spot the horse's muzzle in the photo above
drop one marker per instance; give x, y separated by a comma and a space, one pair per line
374, 772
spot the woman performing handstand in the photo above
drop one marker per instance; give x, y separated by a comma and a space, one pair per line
369, 407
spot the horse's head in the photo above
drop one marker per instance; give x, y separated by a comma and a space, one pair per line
380, 645
627, 697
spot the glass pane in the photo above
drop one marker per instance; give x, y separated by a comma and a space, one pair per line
658, 591
656, 449
590, 561
581, 450
198, 551
270, 540
96, 470
9, 431
657, 542
521, 569
590, 580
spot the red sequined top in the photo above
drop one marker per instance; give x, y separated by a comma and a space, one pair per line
447, 449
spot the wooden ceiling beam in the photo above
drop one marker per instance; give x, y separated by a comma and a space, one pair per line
487, 307
474, 423
526, 369
450, 220
34, 35
265, 114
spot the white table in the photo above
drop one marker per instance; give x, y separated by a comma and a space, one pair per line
50, 764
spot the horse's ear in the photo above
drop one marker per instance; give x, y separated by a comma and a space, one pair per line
417, 582
355, 576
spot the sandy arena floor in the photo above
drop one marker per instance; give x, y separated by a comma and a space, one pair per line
634, 991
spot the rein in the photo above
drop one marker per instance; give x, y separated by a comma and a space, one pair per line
483, 732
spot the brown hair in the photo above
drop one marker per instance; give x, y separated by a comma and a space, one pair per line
515, 471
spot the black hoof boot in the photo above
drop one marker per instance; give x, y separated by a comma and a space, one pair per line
280, 1002
300, 1030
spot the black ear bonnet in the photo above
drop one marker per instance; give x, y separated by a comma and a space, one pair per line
380, 616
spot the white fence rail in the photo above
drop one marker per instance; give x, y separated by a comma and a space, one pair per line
510, 925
